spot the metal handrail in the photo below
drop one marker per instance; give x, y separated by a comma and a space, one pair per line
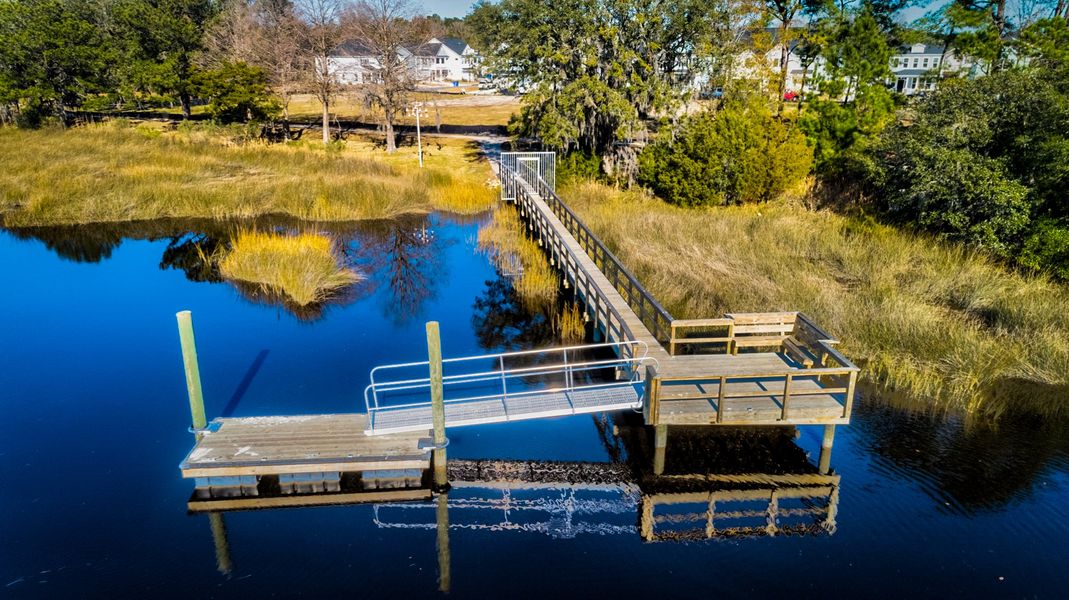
632, 354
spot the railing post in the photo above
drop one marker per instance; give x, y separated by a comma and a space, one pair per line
189, 360
721, 393
504, 386
786, 396
434, 359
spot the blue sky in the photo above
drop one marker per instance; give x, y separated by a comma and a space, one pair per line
447, 8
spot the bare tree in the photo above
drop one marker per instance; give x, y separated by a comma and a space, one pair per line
323, 31
385, 27
281, 52
266, 34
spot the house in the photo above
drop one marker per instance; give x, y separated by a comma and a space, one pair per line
353, 63
917, 68
437, 60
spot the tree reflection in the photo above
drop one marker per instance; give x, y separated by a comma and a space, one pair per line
965, 469
502, 323
190, 253
82, 243
404, 257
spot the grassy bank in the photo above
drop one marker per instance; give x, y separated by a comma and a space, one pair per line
115, 172
931, 324
304, 268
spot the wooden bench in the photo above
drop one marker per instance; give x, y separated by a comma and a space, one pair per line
681, 327
761, 330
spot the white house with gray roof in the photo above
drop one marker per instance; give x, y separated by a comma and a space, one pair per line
437, 60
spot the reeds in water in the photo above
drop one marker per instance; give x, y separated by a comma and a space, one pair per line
305, 267
535, 280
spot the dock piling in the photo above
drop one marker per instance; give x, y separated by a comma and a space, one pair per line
825, 449
434, 359
189, 359
660, 441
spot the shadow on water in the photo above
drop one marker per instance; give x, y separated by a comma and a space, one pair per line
246, 381
403, 256
966, 468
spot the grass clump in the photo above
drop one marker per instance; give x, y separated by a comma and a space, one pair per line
115, 172
571, 324
304, 268
939, 326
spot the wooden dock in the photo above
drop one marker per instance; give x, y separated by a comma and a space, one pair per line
264, 462
776, 368
766, 368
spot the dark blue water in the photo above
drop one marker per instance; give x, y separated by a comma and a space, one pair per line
95, 418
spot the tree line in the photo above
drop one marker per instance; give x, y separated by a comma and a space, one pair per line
245, 58
616, 87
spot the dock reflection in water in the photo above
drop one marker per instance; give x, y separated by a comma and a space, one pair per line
718, 483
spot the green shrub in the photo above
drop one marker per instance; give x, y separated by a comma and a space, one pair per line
236, 93
1047, 248
577, 166
739, 154
959, 194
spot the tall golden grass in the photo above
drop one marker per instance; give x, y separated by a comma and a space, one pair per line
933, 324
305, 268
115, 172
570, 324
536, 283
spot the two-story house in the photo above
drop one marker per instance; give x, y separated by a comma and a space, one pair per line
437, 60
916, 68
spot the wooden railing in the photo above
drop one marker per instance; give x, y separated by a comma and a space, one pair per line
616, 327
794, 334
781, 387
649, 311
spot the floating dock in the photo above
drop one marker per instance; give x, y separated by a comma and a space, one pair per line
300, 460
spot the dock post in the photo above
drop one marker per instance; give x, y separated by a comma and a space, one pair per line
444, 569
825, 449
434, 359
222, 543
660, 441
189, 359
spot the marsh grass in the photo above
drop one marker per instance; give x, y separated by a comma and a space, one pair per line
305, 267
570, 324
932, 325
116, 172
505, 239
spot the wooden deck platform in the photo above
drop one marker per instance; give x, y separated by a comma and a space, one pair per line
500, 409
301, 444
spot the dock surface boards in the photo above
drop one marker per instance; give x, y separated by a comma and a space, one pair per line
301, 444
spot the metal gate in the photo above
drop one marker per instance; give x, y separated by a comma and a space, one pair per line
531, 166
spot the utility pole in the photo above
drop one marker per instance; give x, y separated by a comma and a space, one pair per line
419, 139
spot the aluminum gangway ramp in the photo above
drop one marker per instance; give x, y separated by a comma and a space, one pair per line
511, 386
